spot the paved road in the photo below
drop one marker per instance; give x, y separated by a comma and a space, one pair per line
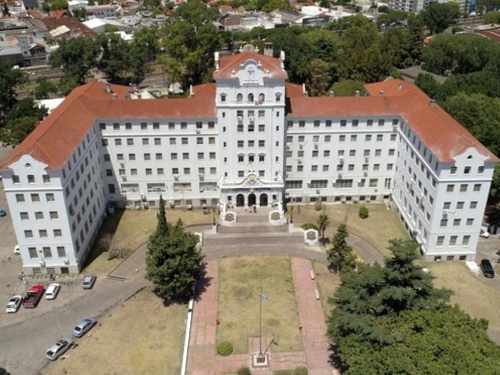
23, 344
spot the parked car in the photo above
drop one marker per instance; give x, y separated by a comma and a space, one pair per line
52, 291
84, 326
14, 304
58, 349
487, 268
89, 282
3, 213
17, 250
483, 232
33, 296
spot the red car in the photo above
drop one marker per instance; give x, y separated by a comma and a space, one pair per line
33, 296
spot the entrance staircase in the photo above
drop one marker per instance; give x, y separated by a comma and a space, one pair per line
253, 234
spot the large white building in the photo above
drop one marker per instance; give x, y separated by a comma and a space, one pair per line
249, 138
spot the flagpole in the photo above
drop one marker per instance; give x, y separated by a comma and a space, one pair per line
260, 319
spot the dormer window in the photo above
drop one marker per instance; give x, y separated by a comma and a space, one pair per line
31, 179
250, 98
239, 98
278, 97
223, 98
15, 179
262, 98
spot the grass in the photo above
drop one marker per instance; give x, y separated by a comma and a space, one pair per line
129, 229
472, 293
327, 283
140, 337
238, 307
382, 224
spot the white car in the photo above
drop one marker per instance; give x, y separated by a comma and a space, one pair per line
14, 304
52, 291
58, 349
483, 232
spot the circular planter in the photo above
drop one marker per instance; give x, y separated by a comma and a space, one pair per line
275, 217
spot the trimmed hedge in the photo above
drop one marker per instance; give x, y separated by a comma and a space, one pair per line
224, 348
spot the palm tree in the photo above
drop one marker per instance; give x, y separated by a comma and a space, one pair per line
323, 223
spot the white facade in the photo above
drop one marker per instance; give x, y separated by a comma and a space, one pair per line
248, 139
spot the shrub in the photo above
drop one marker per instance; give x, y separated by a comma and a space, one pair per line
307, 226
318, 206
363, 212
244, 371
224, 348
301, 371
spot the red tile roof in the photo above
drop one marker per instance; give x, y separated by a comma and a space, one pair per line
233, 62
57, 13
54, 140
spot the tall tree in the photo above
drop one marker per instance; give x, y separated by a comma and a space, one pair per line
162, 226
340, 256
44, 88
173, 263
323, 223
76, 56
438, 16
320, 79
20, 121
10, 79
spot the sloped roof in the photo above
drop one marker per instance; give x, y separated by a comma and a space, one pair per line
233, 62
54, 140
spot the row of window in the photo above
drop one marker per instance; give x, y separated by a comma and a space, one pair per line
31, 179
42, 233
157, 141
35, 197
39, 215
341, 138
467, 170
339, 168
155, 125
47, 252
453, 240
343, 123
340, 153
160, 171
159, 156
251, 98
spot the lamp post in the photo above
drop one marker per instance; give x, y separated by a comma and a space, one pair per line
260, 355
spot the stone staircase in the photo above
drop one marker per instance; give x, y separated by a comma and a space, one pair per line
252, 233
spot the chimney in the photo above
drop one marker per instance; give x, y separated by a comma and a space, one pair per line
191, 92
108, 88
356, 93
115, 96
331, 94
381, 93
400, 87
217, 61
432, 103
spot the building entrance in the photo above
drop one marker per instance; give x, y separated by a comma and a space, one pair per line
251, 199
263, 200
240, 200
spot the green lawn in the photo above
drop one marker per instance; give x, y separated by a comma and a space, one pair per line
238, 307
382, 224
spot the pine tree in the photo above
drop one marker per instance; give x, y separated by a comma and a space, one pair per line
340, 256
173, 260
162, 226
323, 223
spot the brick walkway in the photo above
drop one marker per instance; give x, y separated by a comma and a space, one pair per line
203, 359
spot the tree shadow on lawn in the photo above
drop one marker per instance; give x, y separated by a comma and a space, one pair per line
203, 282
105, 237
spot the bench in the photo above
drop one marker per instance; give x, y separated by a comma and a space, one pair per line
316, 294
312, 275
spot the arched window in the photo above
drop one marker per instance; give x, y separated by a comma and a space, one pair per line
239, 98
223, 98
262, 98
278, 97
250, 98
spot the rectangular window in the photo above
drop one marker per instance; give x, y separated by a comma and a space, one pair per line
47, 253
24, 216
440, 241
35, 198
57, 233
473, 205
157, 141
465, 240
463, 188
28, 233
453, 240
54, 215
39, 215
477, 187
19, 198
61, 252
33, 253
449, 188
